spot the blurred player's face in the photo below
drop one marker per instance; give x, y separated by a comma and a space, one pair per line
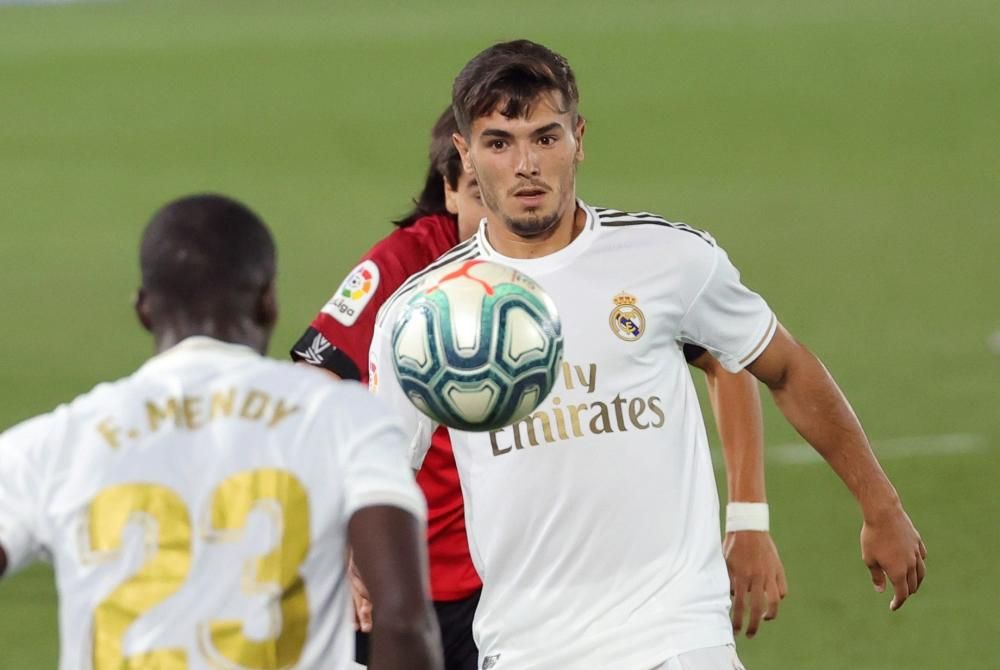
465, 203
526, 167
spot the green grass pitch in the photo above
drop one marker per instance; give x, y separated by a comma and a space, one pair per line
844, 153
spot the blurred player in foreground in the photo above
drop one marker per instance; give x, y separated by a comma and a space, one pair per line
197, 511
447, 211
594, 520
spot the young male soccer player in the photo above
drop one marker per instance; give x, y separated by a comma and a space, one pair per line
449, 210
198, 510
597, 540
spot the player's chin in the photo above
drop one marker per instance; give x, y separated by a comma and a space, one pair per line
530, 221
531, 225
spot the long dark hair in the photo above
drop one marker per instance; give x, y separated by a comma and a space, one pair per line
445, 163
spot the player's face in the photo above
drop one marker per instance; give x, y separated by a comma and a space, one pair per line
466, 203
526, 167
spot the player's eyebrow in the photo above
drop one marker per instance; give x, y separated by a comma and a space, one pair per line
546, 129
496, 132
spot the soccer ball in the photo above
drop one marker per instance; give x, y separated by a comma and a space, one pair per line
478, 346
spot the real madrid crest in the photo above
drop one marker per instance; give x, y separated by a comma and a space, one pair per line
627, 320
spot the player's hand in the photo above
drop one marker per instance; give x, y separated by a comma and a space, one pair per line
891, 548
362, 601
756, 578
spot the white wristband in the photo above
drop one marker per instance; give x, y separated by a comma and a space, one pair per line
746, 516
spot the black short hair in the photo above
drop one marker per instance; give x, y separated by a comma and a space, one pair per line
510, 76
206, 254
444, 164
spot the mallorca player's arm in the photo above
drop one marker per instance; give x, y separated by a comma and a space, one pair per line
22, 471
755, 569
339, 337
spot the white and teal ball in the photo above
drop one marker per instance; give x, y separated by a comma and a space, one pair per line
478, 346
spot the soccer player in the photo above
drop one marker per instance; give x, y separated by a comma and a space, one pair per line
197, 511
448, 210
599, 547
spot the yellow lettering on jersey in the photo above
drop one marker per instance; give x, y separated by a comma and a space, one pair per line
194, 412
193, 416
157, 415
254, 405
222, 404
282, 495
281, 412
109, 432
167, 560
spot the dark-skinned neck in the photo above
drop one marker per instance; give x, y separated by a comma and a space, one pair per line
245, 331
510, 244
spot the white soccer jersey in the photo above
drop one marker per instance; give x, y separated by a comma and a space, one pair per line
196, 511
594, 523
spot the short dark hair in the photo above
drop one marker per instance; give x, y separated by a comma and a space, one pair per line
510, 76
206, 255
444, 164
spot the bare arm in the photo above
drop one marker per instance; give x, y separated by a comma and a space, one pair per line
755, 569
813, 403
736, 405
388, 549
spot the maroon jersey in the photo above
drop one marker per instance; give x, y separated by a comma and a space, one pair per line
339, 339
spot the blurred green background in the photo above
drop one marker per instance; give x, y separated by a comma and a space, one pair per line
846, 154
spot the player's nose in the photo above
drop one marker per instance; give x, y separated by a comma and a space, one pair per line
527, 162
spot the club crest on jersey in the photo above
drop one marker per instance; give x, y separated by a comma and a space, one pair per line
627, 320
354, 293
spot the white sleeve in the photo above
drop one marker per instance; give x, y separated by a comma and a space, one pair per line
382, 381
371, 450
729, 320
21, 486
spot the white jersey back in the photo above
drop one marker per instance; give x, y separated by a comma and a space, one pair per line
196, 511
594, 523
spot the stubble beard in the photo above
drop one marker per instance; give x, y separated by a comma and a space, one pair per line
529, 225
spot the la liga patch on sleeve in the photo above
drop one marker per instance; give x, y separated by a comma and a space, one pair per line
354, 293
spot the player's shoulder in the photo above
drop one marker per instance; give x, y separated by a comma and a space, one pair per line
42, 430
650, 226
466, 250
388, 264
411, 248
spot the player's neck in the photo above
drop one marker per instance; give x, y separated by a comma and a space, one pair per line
510, 244
243, 331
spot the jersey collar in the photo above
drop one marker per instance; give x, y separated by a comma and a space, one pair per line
194, 346
554, 260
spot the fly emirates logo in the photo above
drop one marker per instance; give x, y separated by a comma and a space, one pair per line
560, 420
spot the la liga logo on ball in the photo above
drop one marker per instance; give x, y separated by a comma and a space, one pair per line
477, 346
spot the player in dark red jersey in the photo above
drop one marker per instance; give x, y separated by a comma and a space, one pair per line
447, 212
340, 336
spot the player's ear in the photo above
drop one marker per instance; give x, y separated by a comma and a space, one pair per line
581, 127
463, 151
140, 303
267, 306
450, 198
